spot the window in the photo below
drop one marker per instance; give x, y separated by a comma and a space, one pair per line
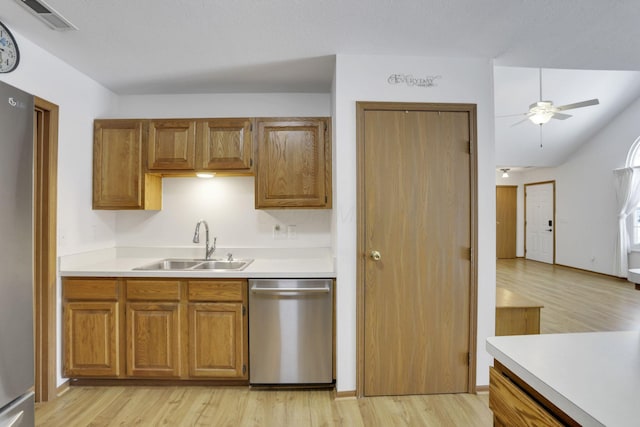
633, 159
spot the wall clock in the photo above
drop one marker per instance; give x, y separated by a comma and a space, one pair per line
9, 53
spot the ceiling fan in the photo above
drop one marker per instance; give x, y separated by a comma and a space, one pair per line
541, 112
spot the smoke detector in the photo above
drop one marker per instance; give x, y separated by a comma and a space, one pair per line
47, 14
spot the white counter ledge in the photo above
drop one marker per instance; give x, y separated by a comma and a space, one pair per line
593, 377
268, 263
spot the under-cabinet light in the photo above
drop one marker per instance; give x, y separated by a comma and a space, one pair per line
205, 175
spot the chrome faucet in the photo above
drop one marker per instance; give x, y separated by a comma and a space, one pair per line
196, 239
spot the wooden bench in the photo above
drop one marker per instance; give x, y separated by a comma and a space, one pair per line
515, 314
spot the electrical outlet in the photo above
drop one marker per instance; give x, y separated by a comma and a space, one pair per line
292, 234
278, 233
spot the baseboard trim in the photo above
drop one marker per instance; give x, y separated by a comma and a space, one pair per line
343, 395
482, 388
62, 388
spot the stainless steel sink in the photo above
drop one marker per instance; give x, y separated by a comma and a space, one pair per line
223, 265
171, 264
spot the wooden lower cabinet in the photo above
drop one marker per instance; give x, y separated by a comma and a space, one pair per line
92, 335
218, 332
152, 328
153, 340
91, 339
216, 344
515, 403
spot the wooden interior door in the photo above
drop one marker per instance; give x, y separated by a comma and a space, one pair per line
418, 219
506, 201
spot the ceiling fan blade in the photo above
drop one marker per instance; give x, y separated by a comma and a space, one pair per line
511, 115
578, 105
561, 116
521, 121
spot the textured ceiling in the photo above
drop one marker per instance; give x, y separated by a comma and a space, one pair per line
209, 46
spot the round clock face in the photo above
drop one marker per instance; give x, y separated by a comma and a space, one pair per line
9, 54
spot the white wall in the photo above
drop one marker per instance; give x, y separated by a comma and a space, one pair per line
364, 78
226, 203
586, 220
80, 99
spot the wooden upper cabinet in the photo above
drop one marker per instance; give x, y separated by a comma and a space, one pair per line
172, 145
293, 163
119, 181
224, 145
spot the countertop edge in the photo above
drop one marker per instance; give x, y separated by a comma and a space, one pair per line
564, 404
267, 263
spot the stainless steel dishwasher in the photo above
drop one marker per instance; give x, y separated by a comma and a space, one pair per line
290, 331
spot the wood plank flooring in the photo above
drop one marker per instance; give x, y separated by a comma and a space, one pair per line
240, 406
574, 301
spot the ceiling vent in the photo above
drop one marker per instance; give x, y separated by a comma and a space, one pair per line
47, 14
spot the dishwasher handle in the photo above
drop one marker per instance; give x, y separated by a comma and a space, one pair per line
258, 290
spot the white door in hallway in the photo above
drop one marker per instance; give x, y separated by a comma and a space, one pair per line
540, 222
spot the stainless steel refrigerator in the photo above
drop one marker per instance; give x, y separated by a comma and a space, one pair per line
16, 258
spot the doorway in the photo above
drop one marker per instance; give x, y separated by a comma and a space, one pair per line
539, 221
416, 240
45, 131
506, 210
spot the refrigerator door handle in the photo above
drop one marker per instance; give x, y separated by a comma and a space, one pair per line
16, 420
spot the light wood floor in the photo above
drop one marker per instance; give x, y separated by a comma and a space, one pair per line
240, 406
574, 301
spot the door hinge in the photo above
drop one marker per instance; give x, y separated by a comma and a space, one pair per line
326, 199
244, 310
250, 162
244, 369
469, 358
471, 255
470, 148
250, 127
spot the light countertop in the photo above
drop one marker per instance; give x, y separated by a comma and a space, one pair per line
268, 263
507, 299
593, 377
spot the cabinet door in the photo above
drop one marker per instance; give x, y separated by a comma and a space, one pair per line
153, 339
172, 145
91, 339
217, 341
224, 145
118, 178
293, 163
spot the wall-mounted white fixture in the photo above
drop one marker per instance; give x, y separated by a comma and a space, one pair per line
505, 172
47, 14
205, 175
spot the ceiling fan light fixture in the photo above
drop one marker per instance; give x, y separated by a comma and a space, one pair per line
505, 172
541, 117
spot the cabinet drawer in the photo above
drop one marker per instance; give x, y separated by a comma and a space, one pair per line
153, 290
511, 406
89, 289
217, 290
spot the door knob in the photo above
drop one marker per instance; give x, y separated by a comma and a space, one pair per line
375, 255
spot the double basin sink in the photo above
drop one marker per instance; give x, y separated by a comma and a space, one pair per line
174, 264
